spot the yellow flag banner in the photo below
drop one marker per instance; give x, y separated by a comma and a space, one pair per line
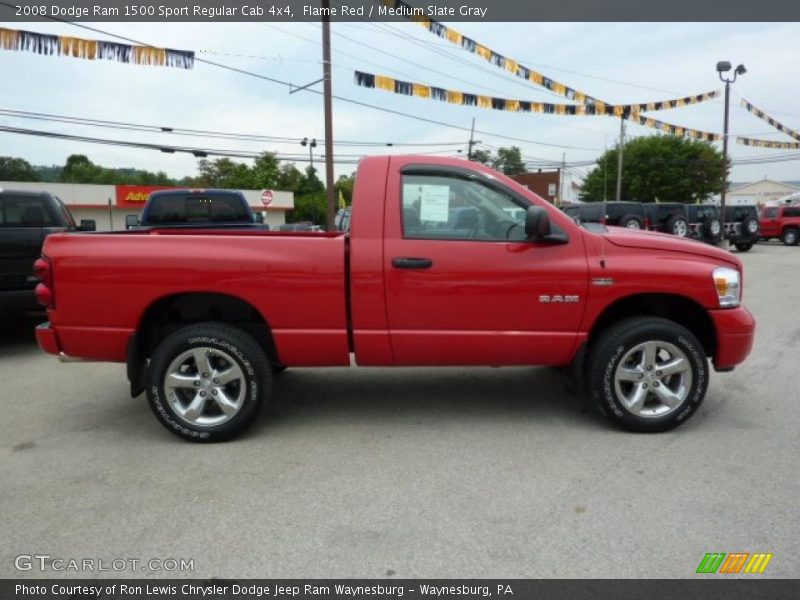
696, 134
62, 45
406, 88
632, 111
454, 37
745, 141
765, 117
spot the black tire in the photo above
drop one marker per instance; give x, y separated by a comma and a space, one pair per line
631, 222
226, 347
750, 227
613, 345
790, 237
710, 225
745, 247
677, 225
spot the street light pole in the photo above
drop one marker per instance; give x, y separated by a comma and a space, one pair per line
311, 145
328, 91
724, 67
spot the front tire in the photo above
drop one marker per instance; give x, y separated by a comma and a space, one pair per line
790, 237
207, 382
678, 226
647, 374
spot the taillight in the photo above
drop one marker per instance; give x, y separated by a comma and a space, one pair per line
44, 289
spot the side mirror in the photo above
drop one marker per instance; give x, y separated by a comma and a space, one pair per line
88, 225
537, 223
131, 221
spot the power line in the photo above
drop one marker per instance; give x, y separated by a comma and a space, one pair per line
290, 85
22, 114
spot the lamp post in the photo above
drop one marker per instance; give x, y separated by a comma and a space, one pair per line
311, 145
724, 66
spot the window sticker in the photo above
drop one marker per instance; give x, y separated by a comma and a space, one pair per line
434, 203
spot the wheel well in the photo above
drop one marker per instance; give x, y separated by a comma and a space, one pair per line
171, 313
679, 309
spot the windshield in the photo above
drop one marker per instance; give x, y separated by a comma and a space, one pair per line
197, 208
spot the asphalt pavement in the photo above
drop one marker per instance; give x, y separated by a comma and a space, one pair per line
456, 472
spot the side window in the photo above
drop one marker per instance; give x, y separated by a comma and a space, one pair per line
791, 212
450, 208
771, 212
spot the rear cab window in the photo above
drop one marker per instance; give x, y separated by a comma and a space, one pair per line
25, 211
197, 208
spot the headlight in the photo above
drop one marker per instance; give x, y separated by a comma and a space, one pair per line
729, 286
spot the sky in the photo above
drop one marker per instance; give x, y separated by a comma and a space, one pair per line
618, 62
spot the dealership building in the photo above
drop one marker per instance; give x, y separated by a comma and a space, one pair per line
108, 205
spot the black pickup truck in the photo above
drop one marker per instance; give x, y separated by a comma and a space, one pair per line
26, 219
176, 209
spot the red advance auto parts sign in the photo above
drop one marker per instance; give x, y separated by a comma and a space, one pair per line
134, 196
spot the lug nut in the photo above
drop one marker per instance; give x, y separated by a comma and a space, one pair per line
656, 384
202, 394
658, 373
644, 386
196, 383
216, 380
213, 392
205, 375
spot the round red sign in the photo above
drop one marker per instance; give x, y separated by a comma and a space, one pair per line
266, 197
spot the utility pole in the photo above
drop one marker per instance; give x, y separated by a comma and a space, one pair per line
561, 180
619, 161
472, 141
328, 92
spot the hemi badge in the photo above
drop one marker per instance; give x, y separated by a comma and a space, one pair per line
602, 281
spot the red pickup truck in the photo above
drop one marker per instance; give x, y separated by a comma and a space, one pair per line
446, 263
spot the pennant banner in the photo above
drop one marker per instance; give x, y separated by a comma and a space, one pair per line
495, 58
764, 117
406, 88
696, 134
745, 141
62, 45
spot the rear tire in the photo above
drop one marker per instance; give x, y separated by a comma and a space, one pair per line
207, 382
631, 222
677, 226
790, 237
647, 374
712, 229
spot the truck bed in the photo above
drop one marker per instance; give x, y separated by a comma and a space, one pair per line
106, 282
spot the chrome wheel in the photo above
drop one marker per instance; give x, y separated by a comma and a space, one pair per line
205, 386
716, 227
653, 379
680, 229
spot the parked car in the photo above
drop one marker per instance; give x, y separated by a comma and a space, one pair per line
782, 222
705, 223
196, 209
741, 226
621, 214
26, 219
667, 217
202, 320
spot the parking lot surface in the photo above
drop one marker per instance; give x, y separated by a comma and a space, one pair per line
456, 472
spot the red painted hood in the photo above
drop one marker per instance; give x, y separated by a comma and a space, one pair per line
650, 240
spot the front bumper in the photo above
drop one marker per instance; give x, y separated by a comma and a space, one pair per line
735, 329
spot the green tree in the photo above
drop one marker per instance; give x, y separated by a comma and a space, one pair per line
311, 183
79, 169
345, 185
16, 169
663, 168
266, 171
483, 156
509, 161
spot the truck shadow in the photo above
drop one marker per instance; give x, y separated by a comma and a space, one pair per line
17, 332
306, 396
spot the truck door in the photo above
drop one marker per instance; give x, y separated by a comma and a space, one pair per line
463, 285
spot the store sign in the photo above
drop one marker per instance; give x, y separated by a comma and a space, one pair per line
135, 196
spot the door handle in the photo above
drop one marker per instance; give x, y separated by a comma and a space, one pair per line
404, 262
